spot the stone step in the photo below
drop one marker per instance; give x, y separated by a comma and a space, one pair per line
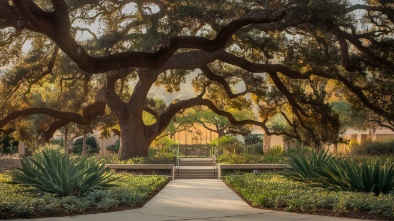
196, 167
191, 175
196, 177
196, 172
196, 162
196, 159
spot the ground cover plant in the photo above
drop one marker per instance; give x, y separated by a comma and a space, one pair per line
250, 159
158, 158
274, 155
373, 148
275, 191
16, 201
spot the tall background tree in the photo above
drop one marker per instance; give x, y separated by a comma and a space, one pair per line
284, 53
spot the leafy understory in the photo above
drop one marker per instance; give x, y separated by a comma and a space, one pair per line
16, 201
274, 191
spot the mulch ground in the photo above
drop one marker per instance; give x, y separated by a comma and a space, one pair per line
9, 164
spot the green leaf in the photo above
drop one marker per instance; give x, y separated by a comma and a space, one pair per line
55, 172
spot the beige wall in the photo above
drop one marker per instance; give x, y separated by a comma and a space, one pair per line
276, 141
384, 137
195, 135
381, 134
104, 142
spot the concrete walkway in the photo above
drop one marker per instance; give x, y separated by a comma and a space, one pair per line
203, 200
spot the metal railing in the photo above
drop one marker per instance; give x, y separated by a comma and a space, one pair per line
195, 150
215, 167
177, 163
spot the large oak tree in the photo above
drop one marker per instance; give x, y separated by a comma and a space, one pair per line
286, 54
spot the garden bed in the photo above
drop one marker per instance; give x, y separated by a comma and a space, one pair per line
144, 169
273, 191
131, 192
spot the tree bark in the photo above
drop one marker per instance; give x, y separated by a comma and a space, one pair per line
134, 141
84, 142
267, 143
66, 140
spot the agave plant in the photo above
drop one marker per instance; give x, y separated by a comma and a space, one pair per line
55, 172
347, 175
323, 170
304, 165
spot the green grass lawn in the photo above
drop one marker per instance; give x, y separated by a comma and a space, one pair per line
131, 191
274, 191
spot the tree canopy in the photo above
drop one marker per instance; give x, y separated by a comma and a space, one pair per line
283, 56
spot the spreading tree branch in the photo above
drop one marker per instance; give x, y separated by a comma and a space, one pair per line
349, 37
35, 19
213, 77
90, 112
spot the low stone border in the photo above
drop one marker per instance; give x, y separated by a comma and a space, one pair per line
251, 167
143, 167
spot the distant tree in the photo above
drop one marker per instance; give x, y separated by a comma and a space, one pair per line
253, 139
227, 144
349, 117
219, 124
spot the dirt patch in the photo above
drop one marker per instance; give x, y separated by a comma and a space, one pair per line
9, 164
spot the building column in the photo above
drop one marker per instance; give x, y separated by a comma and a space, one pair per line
21, 148
267, 143
103, 147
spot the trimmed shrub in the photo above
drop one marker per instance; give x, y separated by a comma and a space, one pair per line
167, 158
373, 148
227, 144
115, 147
253, 139
91, 145
254, 148
247, 158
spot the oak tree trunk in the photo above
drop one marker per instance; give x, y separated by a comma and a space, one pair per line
133, 140
84, 142
66, 140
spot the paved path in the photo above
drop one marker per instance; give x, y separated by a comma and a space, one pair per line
202, 200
